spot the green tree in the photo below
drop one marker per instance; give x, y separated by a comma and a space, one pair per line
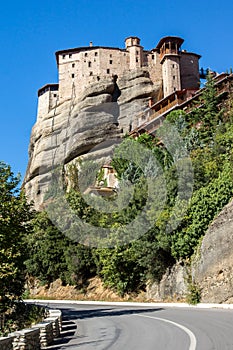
53, 255
47, 247
205, 204
80, 264
120, 270
15, 215
208, 114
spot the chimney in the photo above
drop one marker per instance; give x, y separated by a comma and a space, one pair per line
91, 43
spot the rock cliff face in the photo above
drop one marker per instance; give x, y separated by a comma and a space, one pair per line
173, 285
212, 269
75, 127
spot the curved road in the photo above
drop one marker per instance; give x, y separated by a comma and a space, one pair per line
100, 327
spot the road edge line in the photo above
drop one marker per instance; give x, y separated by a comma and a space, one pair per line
193, 340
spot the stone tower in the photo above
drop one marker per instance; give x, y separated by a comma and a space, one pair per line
132, 45
48, 97
169, 54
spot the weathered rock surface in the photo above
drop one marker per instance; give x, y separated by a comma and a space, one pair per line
75, 127
214, 268
173, 285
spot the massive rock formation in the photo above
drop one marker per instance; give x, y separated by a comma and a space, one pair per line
77, 126
91, 125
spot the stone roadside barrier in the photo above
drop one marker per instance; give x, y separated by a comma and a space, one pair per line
6, 343
45, 333
38, 337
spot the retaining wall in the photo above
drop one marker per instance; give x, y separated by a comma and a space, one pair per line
37, 337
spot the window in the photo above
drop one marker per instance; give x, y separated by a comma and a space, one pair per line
73, 65
89, 64
54, 95
136, 59
63, 56
173, 66
153, 57
174, 89
136, 52
174, 77
96, 53
70, 55
110, 55
110, 62
91, 73
108, 71
72, 75
85, 54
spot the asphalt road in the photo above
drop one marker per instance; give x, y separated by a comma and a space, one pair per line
99, 327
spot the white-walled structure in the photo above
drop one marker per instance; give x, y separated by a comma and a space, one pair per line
79, 67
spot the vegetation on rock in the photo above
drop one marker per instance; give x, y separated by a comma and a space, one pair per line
207, 135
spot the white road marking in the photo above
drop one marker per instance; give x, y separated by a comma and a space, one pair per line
193, 341
135, 304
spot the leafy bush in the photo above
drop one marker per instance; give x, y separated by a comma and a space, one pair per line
20, 316
193, 296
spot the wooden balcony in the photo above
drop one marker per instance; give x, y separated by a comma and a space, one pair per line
165, 108
186, 99
168, 52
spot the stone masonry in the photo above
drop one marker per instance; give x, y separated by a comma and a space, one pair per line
173, 68
39, 336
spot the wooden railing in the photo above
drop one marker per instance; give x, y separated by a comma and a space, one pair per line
165, 108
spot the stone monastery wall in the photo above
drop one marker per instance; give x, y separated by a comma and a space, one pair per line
167, 64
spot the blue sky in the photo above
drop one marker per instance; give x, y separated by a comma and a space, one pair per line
31, 32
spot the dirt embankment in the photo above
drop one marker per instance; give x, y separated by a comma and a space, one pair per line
95, 290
